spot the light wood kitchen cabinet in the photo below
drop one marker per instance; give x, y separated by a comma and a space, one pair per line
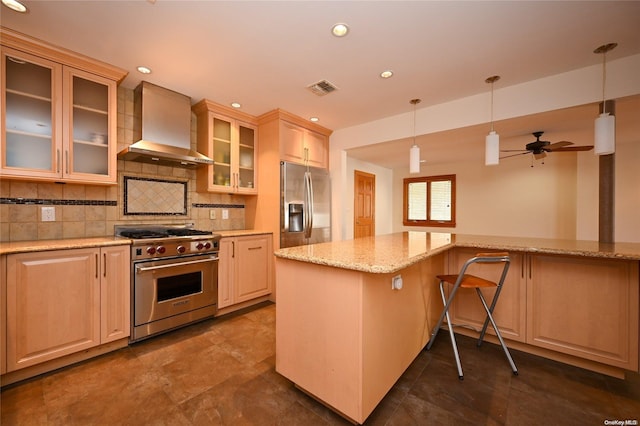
61, 302
586, 307
3, 314
510, 311
245, 269
58, 114
230, 138
275, 129
303, 146
115, 294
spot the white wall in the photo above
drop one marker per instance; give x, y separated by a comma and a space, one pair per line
512, 199
562, 195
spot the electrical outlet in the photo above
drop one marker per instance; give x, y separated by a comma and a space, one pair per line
48, 214
212, 214
225, 214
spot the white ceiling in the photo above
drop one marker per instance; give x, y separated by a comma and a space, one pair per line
264, 54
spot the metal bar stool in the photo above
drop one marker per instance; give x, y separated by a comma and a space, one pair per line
465, 280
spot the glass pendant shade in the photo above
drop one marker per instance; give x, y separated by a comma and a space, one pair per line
414, 159
492, 149
605, 134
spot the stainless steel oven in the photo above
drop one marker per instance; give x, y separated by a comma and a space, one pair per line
174, 280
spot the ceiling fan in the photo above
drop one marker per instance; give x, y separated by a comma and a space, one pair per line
540, 148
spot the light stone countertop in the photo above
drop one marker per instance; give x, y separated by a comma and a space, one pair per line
393, 252
62, 244
73, 243
241, 233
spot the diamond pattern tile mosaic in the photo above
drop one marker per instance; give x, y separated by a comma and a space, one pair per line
154, 196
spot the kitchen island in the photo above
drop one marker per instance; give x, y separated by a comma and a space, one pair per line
352, 315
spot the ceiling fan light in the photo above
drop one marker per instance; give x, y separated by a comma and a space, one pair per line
492, 149
605, 134
414, 159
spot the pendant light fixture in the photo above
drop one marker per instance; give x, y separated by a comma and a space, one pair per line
414, 152
605, 126
492, 141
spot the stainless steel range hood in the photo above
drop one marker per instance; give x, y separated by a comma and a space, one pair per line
162, 128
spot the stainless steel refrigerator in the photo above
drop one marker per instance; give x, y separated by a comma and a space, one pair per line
305, 205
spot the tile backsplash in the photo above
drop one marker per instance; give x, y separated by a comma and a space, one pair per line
93, 211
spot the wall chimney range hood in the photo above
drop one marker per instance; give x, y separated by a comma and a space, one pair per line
162, 128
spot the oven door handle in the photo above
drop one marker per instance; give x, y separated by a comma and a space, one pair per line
140, 269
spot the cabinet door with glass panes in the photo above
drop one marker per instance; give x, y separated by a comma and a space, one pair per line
90, 131
58, 122
233, 149
31, 116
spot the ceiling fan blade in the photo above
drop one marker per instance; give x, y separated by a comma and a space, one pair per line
574, 148
557, 145
515, 155
540, 156
524, 151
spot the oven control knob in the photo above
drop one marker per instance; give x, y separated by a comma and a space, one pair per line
160, 250
199, 246
207, 245
151, 250
181, 249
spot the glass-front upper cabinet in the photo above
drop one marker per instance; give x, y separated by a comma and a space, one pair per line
31, 118
58, 122
90, 150
232, 144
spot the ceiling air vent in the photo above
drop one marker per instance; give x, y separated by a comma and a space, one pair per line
322, 88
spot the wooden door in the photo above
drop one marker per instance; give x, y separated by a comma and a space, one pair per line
53, 305
364, 223
115, 293
253, 267
226, 272
510, 310
586, 307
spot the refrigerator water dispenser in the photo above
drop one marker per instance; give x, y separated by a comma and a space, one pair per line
295, 217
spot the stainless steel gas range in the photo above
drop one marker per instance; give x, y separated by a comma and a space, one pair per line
174, 277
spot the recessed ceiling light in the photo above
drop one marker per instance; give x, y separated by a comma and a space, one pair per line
144, 70
386, 74
314, 119
236, 104
340, 30
15, 5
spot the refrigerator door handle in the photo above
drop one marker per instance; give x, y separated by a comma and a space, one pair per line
308, 205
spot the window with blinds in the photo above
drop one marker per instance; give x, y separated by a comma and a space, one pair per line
429, 201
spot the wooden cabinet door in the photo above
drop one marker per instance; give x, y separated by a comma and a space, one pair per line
253, 267
3, 317
226, 272
53, 305
317, 149
302, 146
115, 293
233, 146
510, 310
585, 307
90, 127
291, 143
31, 142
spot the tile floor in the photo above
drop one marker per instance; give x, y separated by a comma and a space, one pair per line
221, 372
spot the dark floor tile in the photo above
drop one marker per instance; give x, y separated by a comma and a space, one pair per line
222, 372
